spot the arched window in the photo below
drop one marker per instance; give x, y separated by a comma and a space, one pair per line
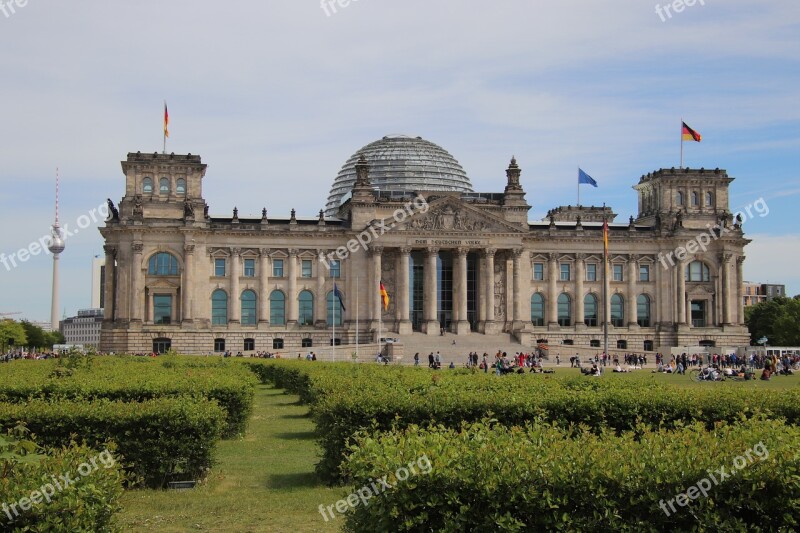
643, 310
163, 264
180, 186
219, 307
334, 309
537, 309
147, 185
163, 186
617, 311
695, 199
697, 271
590, 310
709, 199
679, 198
277, 308
249, 317
306, 309
564, 310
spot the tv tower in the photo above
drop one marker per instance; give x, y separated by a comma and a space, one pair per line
56, 247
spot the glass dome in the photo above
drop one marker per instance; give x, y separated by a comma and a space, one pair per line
401, 163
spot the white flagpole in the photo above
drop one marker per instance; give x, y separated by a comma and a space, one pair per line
357, 310
579, 185
681, 166
333, 326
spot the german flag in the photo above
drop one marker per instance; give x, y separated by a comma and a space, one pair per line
688, 134
166, 121
384, 297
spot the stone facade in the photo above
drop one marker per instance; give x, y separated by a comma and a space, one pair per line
177, 277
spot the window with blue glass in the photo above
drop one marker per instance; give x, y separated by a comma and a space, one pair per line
163, 264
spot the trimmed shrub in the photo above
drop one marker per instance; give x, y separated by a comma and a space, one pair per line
134, 379
37, 498
487, 477
157, 440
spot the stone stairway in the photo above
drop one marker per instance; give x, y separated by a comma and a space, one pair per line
464, 344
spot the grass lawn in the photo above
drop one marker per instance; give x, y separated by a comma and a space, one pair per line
266, 481
263, 482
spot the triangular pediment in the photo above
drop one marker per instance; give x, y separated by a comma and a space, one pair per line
449, 214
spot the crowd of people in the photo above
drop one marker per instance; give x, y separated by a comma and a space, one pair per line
501, 364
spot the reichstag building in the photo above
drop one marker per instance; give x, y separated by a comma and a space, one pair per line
402, 211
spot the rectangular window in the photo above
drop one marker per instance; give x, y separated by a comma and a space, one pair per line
591, 272
162, 308
305, 268
564, 272
336, 269
249, 268
277, 268
219, 345
644, 273
538, 271
219, 267
617, 272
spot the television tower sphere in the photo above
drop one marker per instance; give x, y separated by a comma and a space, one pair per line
56, 240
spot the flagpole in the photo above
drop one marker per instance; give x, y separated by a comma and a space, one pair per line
333, 327
579, 185
357, 311
164, 148
380, 321
681, 165
605, 283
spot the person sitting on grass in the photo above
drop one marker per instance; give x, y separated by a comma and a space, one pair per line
766, 374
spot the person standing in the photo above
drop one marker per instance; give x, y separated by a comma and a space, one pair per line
416, 359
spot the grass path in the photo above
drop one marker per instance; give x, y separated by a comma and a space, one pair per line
263, 482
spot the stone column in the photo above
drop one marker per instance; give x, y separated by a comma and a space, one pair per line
517, 287
188, 282
488, 290
552, 290
321, 303
430, 318
234, 304
403, 314
263, 287
110, 286
739, 289
292, 309
680, 270
632, 272
727, 304
137, 290
460, 290
375, 303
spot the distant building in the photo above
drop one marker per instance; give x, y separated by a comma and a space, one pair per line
755, 293
83, 329
44, 324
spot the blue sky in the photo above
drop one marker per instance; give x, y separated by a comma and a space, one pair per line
276, 96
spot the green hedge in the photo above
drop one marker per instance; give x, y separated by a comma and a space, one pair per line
347, 397
88, 504
486, 477
157, 440
134, 379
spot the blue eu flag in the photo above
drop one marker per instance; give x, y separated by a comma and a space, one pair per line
583, 177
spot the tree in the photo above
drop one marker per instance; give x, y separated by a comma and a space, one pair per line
35, 335
12, 334
777, 319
